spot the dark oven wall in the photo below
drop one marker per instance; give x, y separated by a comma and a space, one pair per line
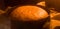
20, 2
54, 3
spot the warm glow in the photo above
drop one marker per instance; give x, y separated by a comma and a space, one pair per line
54, 23
2, 12
29, 13
53, 13
41, 3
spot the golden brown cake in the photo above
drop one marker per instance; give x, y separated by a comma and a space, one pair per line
28, 12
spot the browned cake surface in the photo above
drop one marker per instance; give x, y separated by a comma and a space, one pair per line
29, 13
